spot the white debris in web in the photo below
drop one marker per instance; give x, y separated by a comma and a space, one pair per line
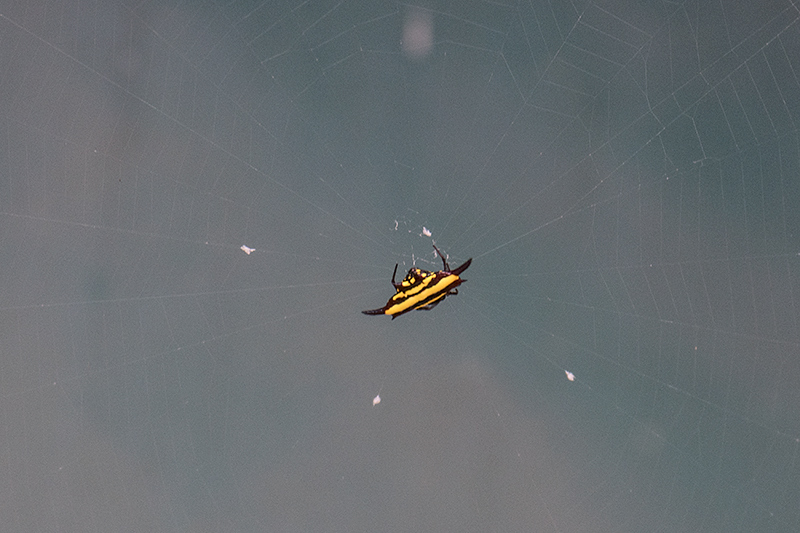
570, 375
247, 250
426, 231
376, 400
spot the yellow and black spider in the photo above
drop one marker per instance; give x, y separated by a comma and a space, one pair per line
422, 289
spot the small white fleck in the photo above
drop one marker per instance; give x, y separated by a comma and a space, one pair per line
570, 375
395, 225
426, 231
376, 400
247, 250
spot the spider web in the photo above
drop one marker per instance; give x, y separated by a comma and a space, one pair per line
196, 201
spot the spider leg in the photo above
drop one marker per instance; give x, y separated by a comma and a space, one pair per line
395, 285
446, 266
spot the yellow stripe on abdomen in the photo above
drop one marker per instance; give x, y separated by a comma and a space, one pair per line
415, 297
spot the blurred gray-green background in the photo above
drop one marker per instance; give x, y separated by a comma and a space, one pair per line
624, 174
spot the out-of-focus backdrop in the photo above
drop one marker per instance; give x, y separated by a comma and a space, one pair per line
197, 199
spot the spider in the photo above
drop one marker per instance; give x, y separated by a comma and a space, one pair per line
422, 289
